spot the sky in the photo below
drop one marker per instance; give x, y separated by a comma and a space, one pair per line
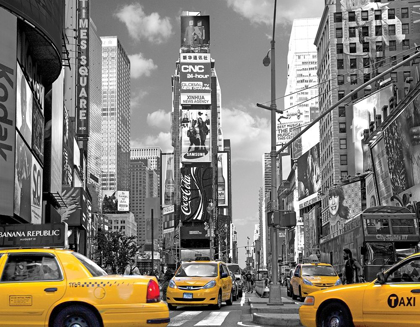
240, 35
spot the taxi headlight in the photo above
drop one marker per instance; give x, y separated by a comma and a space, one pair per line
210, 284
338, 282
172, 284
307, 282
309, 300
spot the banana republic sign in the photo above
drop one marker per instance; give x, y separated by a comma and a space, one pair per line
28, 235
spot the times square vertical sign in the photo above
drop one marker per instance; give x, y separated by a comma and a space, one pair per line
82, 107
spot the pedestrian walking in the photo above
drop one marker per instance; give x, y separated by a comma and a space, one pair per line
352, 271
131, 268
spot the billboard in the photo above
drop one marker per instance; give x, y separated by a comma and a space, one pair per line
193, 232
344, 202
123, 201
38, 132
24, 103
195, 31
371, 194
7, 110
195, 78
76, 212
109, 202
381, 172
22, 193
82, 96
168, 187
402, 147
309, 173
365, 112
196, 190
196, 136
36, 192
222, 180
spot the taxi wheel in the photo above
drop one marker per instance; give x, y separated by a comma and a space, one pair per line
218, 305
294, 297
336, 315
230, 301
76, 315
171, 307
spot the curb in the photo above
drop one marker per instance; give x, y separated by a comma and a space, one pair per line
272, 319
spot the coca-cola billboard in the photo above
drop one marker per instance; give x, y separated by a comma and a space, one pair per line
196, 190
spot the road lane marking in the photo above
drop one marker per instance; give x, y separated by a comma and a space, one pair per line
213, 319
182, 318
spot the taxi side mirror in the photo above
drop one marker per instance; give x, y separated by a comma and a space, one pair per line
381, 279
224, 275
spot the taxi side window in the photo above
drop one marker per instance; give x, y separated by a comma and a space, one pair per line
31, 268
407, 273
224, 269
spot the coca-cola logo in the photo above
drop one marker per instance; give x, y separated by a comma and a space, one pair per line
186, 194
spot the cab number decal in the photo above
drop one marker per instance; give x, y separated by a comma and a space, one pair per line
395, 301
75, 284
20, 300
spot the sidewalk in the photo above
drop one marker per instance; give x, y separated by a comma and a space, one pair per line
264, 314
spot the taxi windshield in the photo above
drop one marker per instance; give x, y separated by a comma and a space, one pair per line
197, 270
318, 271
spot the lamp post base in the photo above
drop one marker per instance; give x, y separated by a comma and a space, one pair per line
275, 296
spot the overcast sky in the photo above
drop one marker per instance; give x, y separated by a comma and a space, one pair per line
240, 32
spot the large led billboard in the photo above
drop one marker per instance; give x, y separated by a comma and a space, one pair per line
8, 32
364, 113
195, 78
195, 31
196, 191
222, 179
168, 181
195, 136
309, 173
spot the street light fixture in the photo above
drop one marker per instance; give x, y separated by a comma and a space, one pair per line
275, 296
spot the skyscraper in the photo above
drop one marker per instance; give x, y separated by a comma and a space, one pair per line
115, 116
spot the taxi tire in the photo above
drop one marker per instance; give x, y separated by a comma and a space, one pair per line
229, 301
171, 307
339, 313
218, 305
294, 297
76, 311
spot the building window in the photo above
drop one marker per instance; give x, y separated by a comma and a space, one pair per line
340, 63
404, 12
392, 45
341, 94
352, 31
394, 77
353, 79
365, 31
393, 60
378, 15
338, 32
353, 63
344, 174
340, 79
405, 28
339, 47
354, 96
366, 77
391, 29
365, 46
406, 75
406, 44
352, 47
352, 16
391, 13
365, 15
407, 63
343, 143
379, 46
341, 111
342, 127
343, 159
366, 62
338, 17
378, 30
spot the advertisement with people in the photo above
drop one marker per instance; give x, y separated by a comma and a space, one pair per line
195, 31
309, 173
195, 136
196, 193
22, 198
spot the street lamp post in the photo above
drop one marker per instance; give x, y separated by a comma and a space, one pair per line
275, 296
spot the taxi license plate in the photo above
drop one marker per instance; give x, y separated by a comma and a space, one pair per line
188, 296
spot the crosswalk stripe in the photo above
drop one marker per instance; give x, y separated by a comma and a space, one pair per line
183, 317
213, 319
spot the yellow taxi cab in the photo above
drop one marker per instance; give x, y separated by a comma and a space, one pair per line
390, 300
311, 277
198, 283
56, 287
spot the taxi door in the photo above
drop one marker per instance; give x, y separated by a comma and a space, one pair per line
397, 302
26, 296
226, 283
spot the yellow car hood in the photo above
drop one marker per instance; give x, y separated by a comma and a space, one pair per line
193, 281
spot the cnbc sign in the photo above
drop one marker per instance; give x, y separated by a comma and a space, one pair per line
195, 78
